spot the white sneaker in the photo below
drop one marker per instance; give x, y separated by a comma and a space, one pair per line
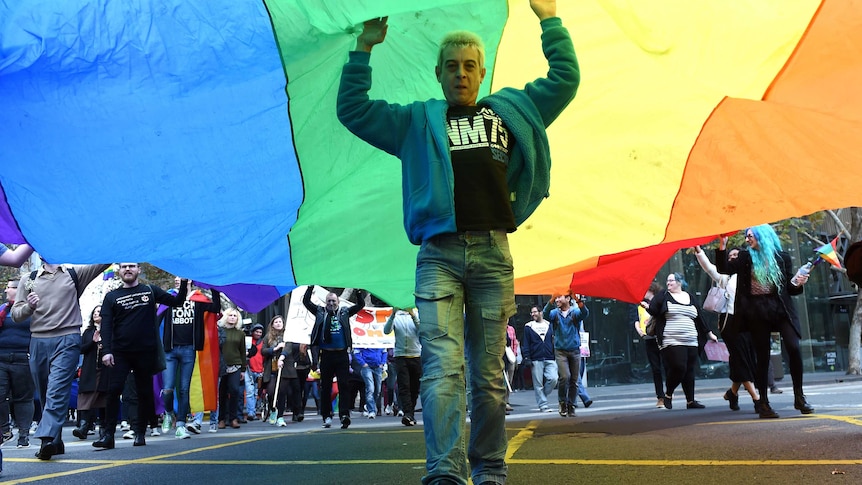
388, 410
129, 435
167, 421
182, 434
124, 426
193, 428
370, 415
155, 431
213, 428
33, 427
280, 422
327, 423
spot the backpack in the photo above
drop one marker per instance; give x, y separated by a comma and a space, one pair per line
72, 274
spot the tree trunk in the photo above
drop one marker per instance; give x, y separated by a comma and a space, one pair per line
855, 366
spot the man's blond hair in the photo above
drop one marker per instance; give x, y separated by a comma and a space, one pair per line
461, 39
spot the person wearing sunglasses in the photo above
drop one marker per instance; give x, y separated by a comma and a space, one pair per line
765, 284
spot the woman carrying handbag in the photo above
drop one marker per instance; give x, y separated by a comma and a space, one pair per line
737, 339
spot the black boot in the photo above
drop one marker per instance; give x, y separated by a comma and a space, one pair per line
764, 409
47, 449
106, 441
86, 421
800, 403
139, 438
732, 399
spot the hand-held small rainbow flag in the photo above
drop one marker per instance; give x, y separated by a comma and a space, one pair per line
824, 253
827, 253
109, 273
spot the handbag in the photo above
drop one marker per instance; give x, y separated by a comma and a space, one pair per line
510, 355
716, 300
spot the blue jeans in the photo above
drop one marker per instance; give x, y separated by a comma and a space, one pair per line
373, 377
180, 360
465, 295
251, 391
544, 371
312, 390
53, 361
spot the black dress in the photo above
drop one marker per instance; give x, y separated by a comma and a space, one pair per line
93, 383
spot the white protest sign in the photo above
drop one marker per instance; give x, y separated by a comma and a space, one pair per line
366, 326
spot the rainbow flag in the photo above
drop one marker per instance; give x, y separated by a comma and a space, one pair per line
720, 110
109, 273
828, 253
203, 392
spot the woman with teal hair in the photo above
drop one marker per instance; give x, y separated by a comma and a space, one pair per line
765, 285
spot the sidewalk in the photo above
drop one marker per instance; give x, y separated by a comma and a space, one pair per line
645, 390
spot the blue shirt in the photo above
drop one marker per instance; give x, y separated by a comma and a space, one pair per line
567, 328
337, 341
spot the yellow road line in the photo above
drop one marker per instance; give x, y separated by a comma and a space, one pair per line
515, 444
114, 463
685, 462
844, 419
419, 461
521, 438
46, 476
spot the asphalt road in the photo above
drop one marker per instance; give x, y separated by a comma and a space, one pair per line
622, 438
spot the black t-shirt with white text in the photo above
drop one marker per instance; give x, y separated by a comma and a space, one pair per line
480, 144
182, 323
129, 317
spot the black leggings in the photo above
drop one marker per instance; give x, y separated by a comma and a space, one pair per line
229, 391
679, 364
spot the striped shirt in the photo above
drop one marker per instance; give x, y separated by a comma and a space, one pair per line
680, 327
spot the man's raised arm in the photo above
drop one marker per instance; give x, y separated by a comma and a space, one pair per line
373, 33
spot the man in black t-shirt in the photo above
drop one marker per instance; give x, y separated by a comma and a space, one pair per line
183, 336
130, 343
